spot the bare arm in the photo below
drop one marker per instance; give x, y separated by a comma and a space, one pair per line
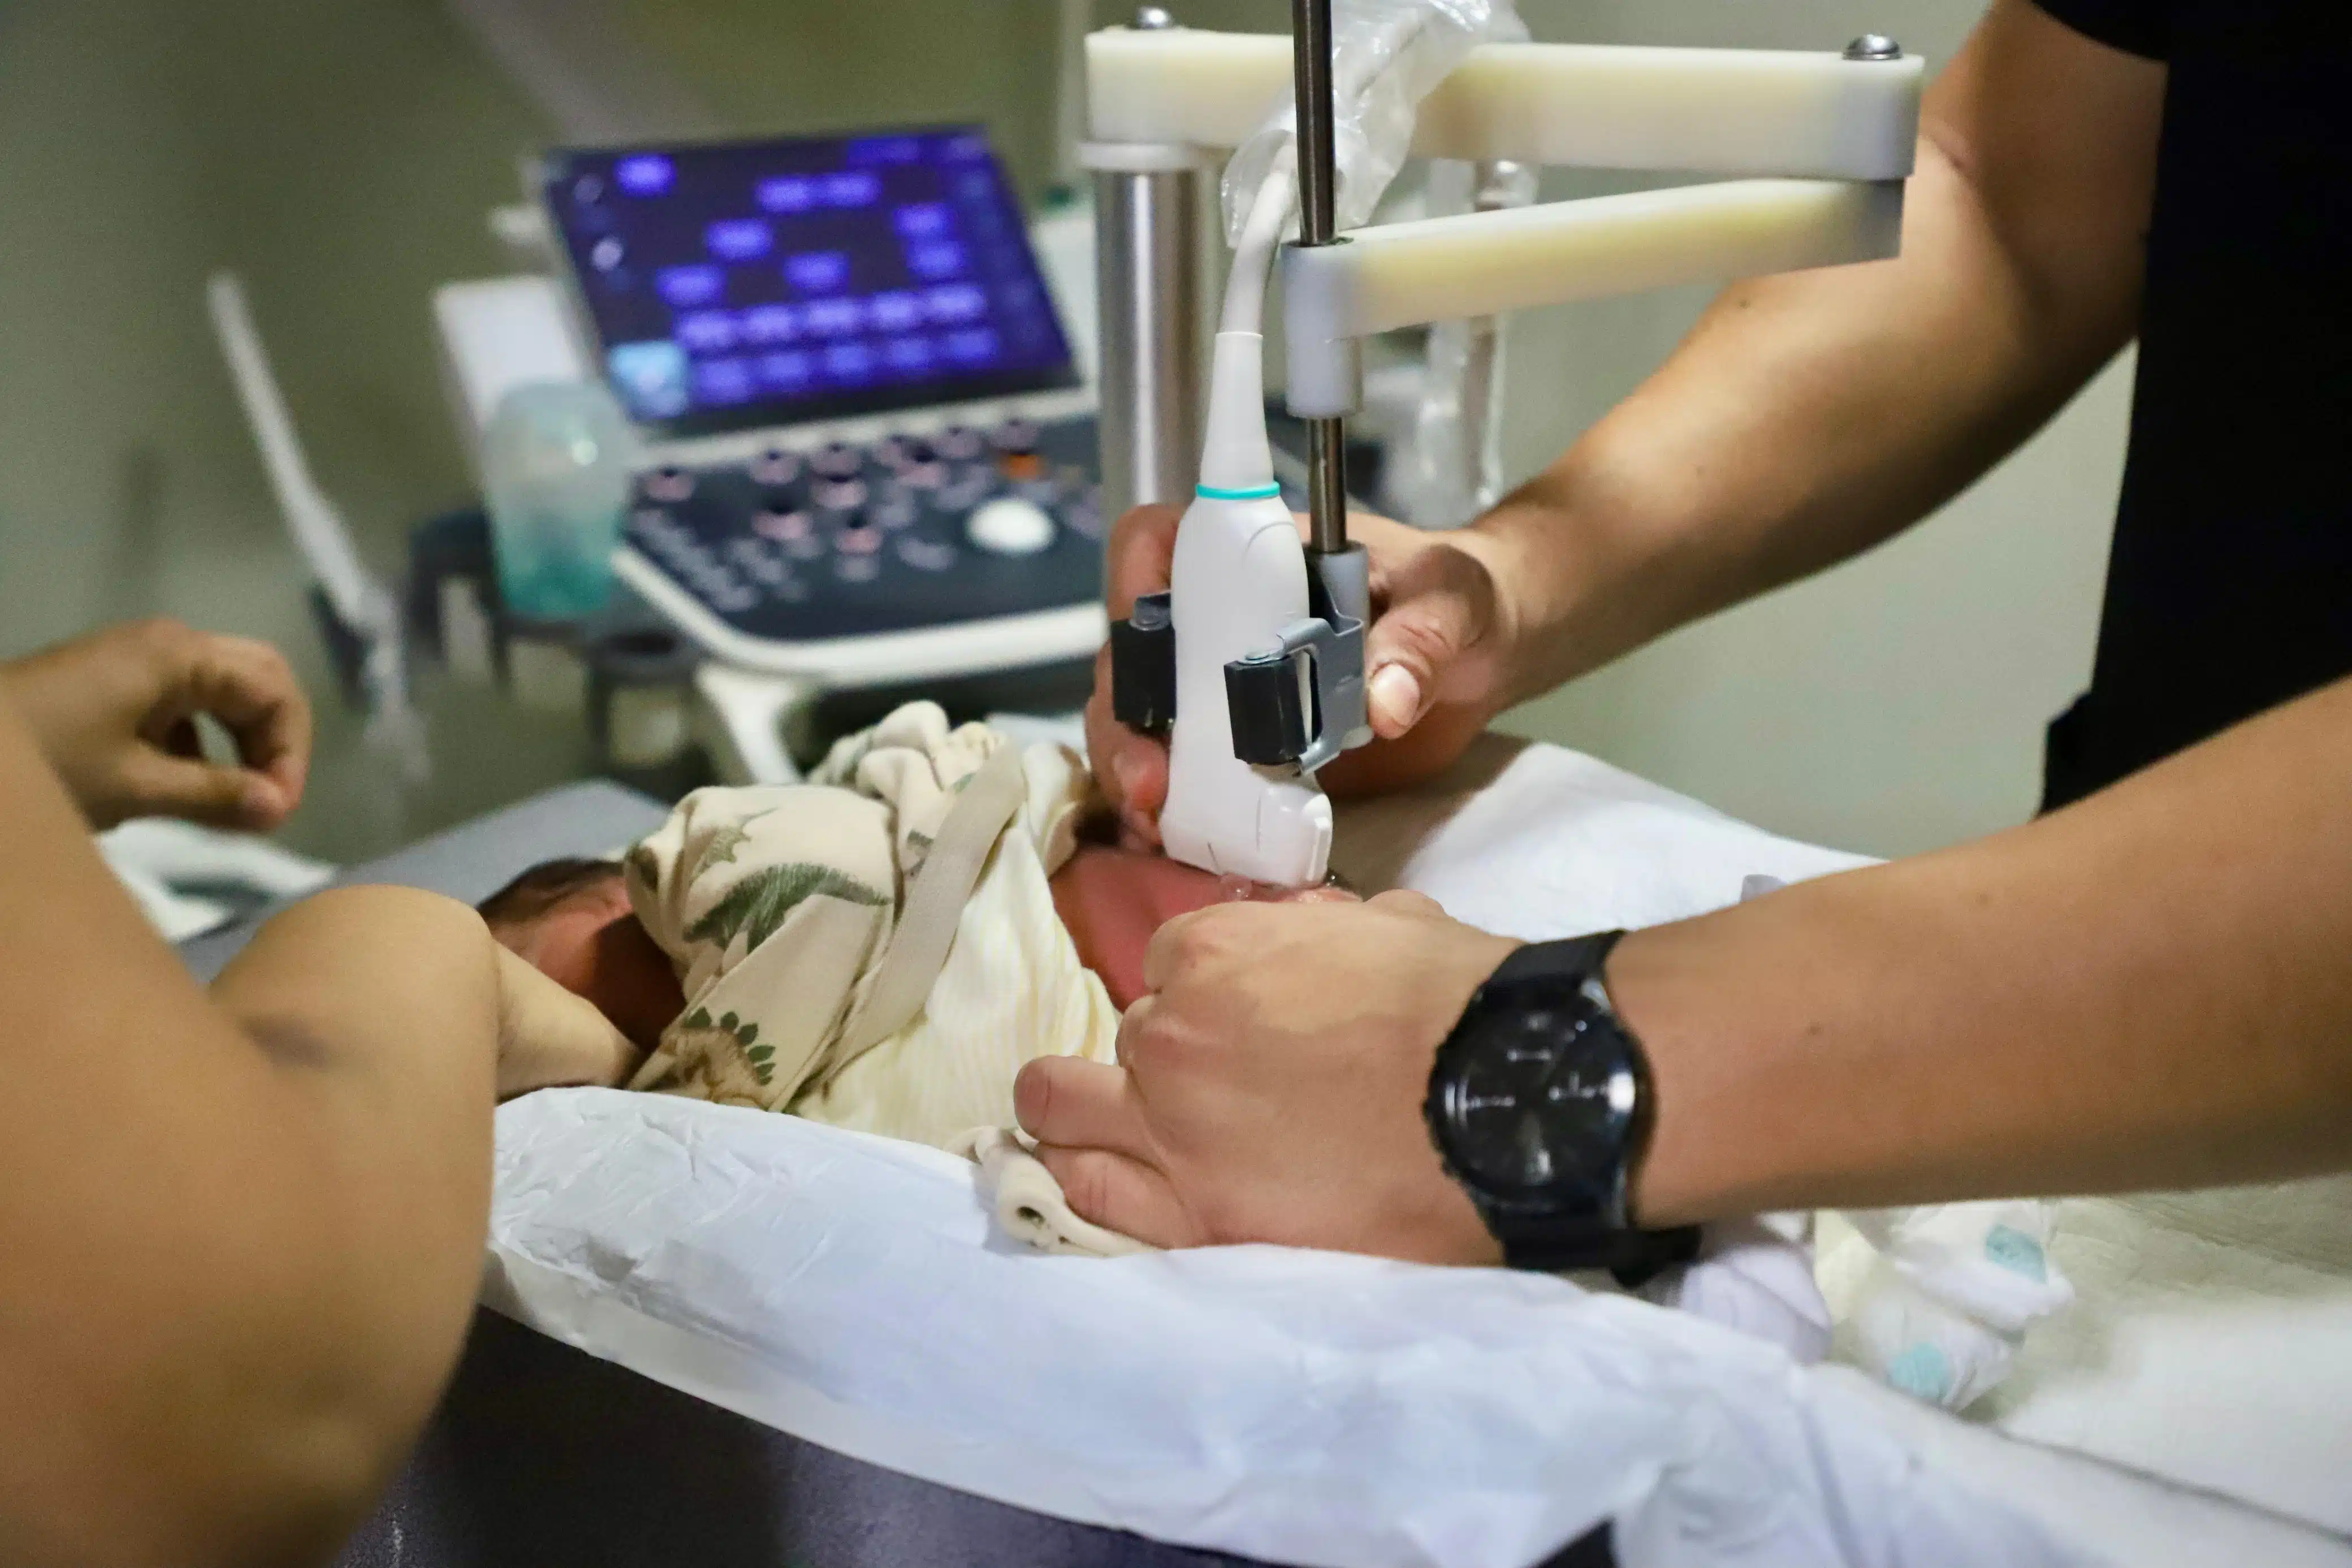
1810, 417
2148, 989
242, 1236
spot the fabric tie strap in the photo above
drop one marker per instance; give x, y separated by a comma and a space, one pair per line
935, 904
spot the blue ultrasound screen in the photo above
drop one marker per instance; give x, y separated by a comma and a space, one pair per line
764, 283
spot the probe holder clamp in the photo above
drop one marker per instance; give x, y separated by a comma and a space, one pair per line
1298, 703
1143, 667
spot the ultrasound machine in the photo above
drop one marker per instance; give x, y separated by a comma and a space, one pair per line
870, 453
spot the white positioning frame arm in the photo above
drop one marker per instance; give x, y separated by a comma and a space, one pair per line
1826, 140
1483, 264
1796, 114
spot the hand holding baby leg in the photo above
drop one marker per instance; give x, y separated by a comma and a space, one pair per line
1270, 1087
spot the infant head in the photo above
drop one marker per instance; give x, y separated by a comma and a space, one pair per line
570, 920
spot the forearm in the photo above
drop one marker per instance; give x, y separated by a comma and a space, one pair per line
388, 1021
2148, 989
243, 1239
378, 1011
330, 1275
324, 1258
1805, 418
1811, 416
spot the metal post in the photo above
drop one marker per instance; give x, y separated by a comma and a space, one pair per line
1310, 47
1149, 266
1148, 270
1327, 439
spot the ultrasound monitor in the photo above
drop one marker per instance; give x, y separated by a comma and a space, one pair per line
752, 284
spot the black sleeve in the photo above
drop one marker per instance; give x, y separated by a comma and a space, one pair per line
2139, 26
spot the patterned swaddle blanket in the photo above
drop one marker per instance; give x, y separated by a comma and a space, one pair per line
877, 948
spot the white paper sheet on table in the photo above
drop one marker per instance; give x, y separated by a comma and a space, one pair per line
1539, 842
1300, 1407
1294, 1407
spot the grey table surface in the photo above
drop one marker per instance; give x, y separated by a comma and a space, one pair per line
475, 859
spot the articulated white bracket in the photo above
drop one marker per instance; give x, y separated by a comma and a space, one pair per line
1483, 264
1799, 115
1823, 143
1829, 139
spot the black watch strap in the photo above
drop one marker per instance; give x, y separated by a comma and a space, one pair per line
1553, 1245
1577, 955
1634, 1257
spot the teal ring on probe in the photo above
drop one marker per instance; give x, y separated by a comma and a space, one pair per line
1210, 493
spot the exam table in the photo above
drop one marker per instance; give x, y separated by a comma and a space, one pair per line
543, 1452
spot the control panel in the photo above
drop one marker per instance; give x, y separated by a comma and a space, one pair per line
909, 532
871, 458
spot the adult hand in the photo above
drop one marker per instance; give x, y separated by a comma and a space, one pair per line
1271, 1086
1434, 657
114, 712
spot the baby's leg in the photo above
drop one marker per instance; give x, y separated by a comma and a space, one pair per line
1113, 901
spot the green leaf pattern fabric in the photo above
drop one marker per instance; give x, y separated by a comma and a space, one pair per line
758, 905
725, 840
780, 905
723, 1054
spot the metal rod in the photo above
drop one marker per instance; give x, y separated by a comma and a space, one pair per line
1327, 439
1310, 53
1149, 260
1327, 486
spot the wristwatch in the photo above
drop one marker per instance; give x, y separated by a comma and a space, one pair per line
1540, 1106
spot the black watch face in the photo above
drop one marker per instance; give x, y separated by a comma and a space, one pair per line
1537, 1102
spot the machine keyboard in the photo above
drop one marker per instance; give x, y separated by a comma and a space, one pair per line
907, 533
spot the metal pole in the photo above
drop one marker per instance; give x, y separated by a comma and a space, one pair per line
1327, 439
1310, 48
1148, 259
1148, 264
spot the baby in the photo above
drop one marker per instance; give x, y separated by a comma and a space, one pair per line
881, 948
884, 947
